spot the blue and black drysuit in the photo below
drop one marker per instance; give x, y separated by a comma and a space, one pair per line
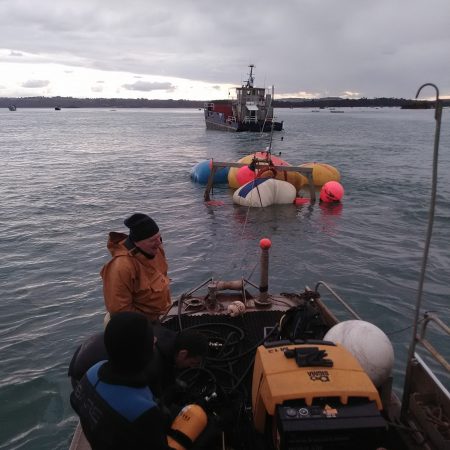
118, 411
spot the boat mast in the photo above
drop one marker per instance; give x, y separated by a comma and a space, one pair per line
251, 78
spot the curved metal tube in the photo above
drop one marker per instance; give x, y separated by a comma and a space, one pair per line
429, 317
437, 116
338, 298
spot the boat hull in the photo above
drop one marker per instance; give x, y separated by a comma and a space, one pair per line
258, 127
256, 322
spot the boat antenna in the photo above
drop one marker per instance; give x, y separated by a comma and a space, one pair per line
251, 78
437, 117
269, 148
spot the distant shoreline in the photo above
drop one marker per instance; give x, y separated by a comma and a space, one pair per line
71, 102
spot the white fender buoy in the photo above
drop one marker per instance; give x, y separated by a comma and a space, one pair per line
368, 344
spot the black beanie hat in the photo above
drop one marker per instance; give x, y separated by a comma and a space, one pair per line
141, 227
128, 340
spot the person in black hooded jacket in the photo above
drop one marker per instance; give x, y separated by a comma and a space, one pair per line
172, 353
117, 409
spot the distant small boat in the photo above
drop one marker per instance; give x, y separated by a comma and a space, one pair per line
12, 107
336, 111
57, 108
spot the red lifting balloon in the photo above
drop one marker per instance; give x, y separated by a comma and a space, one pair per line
244, 175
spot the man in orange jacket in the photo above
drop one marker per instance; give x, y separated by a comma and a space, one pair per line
135, 279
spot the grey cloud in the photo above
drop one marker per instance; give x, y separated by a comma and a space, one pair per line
14, 53
146, 86
35, 83
374, 48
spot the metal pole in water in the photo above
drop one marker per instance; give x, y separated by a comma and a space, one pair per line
437, 116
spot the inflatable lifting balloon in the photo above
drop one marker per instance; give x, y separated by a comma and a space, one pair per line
237, 177
245, 174
331, 192
263, 192
201, 171
322, 173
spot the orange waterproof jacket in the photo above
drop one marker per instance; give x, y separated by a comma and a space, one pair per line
133, 282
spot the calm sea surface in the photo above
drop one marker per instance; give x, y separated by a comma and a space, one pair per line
67, 178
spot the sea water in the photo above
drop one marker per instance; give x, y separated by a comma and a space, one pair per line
69, 177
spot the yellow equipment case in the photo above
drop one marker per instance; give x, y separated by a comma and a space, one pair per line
310, 394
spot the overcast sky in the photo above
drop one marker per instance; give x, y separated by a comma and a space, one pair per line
198, 49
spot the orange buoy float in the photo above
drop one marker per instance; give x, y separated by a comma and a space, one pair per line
331, 192
322, 173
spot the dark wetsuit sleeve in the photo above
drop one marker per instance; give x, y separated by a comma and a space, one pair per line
89, 353
72, 370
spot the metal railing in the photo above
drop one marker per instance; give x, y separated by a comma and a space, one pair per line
420, 338
338, 298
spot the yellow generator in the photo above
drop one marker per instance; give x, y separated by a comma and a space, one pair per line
309, 396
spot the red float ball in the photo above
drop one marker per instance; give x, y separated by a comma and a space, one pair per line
265, 243
331, 192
